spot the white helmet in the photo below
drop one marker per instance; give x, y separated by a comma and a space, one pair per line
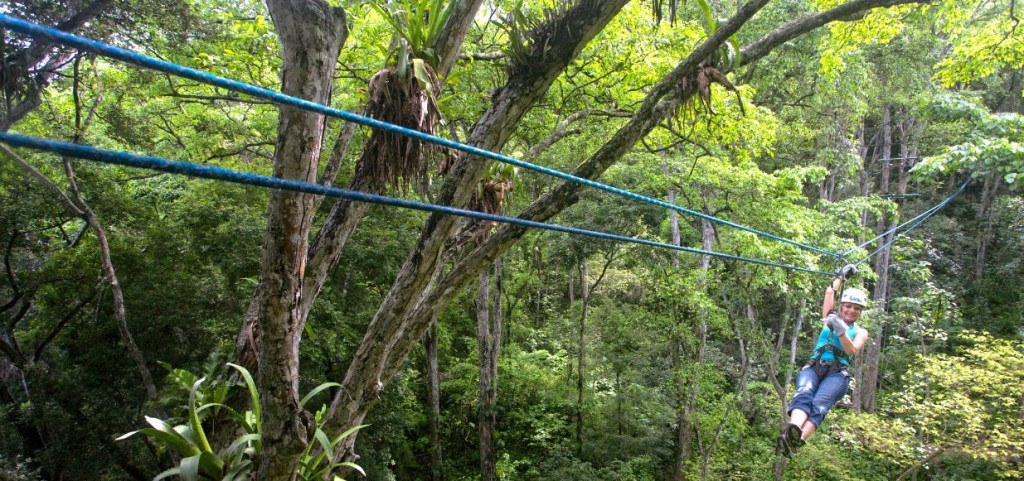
855, 296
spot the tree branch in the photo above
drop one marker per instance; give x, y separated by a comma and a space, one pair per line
10, 273
846, 12
244, 148
563, 129
43, 179
77, 308
482, 55
931, 457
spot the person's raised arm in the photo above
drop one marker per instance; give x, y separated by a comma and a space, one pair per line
830, 297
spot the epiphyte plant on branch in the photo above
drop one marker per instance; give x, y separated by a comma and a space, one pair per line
723, 59
404, 93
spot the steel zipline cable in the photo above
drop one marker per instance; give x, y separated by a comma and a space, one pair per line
916, 221
924, 215
127, 56
233, 176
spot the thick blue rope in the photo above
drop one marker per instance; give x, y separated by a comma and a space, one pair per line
916, 221
57, 36
924, 214
227, 175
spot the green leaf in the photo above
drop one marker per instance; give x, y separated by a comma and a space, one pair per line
239, 471
243, 440
171, 439
193, 418
348, 433
321, 437
168, 473
316, 391
253, 394
354, 466
210, 464
420, 72
190, 468
231, 412
709, 19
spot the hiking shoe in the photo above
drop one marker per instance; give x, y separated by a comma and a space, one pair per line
782, 446
793, 438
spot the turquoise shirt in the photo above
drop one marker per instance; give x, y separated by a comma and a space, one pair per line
827, 336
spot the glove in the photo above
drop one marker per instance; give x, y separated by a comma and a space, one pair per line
847, 271
836, 323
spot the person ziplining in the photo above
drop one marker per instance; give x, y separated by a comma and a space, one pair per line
824, 380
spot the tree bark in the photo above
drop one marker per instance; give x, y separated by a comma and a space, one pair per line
780, 462
483, 341
488, 336
433, 401
867, 384
581, 354
311, 35
673, 218
988, 196
688, 403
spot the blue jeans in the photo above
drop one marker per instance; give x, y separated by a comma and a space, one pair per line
815, 396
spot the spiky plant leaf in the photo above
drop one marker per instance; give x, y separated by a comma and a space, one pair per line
175, 471
172, 439
193, 419
317, 390
254, 396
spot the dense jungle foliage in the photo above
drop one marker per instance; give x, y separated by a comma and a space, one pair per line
256, 334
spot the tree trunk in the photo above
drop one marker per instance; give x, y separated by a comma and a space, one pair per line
311, 34
683, 444
581, 355
988, 197
433, 401
488, 328
618, 401
780, 463
864, 183
687, 405
485, 409
330, 241
673, 218
538, 259
572, 287
882, 260
867, 384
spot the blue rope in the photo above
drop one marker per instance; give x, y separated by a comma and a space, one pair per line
916, 222
924, 214
227, 175
57, 36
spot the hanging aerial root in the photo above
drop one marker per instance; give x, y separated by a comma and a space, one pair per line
695, 91
390, 159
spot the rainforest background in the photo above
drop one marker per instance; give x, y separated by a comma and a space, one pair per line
468, 350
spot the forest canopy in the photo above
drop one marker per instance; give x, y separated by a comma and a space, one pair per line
157, 325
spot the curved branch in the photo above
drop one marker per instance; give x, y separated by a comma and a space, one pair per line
43, 179
77, 308
846, 12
